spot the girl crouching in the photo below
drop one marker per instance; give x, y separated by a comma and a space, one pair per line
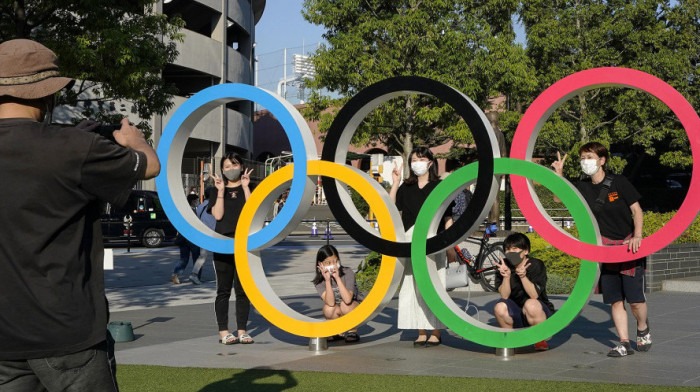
336, 286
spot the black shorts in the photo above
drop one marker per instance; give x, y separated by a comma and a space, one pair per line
616, 286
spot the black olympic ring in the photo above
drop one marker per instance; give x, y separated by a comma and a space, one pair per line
351, 115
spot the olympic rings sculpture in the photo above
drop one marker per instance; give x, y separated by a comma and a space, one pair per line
392, 241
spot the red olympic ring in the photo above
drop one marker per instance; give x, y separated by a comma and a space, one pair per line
540, 110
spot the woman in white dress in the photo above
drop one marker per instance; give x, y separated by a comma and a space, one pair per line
409, 197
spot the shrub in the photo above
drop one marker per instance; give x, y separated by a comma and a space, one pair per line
367, 272
555, 260
360, 203
653, 221
562, 269
559, 284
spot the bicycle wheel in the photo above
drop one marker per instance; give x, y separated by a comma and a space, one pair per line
490, 262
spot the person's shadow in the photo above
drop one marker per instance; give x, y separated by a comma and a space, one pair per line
258, 379
599, 330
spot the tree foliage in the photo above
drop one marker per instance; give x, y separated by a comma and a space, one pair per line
658, 37
116, 50
466, 44
470, 45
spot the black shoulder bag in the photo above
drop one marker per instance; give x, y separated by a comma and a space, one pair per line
598, 204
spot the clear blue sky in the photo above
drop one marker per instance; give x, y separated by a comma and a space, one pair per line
283, 26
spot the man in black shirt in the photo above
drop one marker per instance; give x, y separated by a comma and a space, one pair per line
53, 310
615, 204
522, 283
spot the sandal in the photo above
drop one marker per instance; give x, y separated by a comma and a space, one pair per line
335, 338
419, 343
229, 339
352, 337
428, 343
245, 339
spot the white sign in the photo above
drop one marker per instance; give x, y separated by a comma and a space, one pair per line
109, 259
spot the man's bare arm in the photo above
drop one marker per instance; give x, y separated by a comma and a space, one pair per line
131, 137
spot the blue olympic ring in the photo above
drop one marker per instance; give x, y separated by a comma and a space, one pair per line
172, 146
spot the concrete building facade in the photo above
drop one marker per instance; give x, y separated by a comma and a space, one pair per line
218, 47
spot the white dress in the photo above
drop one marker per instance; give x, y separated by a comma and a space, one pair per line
413, 311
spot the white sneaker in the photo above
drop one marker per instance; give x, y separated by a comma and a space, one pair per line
194, 279
621, 350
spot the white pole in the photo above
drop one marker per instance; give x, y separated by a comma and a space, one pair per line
257, 61
256, 64
285, 74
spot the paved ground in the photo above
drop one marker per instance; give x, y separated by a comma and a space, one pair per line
174, 326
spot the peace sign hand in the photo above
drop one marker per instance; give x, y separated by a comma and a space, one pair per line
503, 269
245, 178
396, 174
558, 165
218, 182
521, 270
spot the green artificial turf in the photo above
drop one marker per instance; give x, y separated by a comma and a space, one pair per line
137, 378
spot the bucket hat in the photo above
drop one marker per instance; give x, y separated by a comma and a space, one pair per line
29, 70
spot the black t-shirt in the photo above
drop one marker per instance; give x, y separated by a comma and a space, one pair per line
537, 274
614, 217
234, 199
410, 199
52, 299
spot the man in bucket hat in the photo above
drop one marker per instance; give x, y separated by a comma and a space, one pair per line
53, 310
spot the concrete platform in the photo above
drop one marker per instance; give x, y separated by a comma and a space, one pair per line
175, 326
186, 336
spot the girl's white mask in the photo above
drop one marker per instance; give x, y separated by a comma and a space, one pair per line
419, 168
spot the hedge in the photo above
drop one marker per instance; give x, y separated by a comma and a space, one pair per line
562, 269
565, 268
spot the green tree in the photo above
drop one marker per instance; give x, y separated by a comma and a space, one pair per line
466, 44
116, 50
657, 37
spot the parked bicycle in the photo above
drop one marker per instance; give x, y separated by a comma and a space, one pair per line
484, 266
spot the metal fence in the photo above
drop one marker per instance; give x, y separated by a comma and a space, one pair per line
519, 223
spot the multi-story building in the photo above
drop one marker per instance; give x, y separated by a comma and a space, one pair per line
218, 47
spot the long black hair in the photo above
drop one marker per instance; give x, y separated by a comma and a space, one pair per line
422, 152
323, 253
234, 158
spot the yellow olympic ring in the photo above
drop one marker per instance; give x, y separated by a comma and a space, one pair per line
255, 283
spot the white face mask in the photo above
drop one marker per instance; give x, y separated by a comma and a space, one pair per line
589, 166
419, 168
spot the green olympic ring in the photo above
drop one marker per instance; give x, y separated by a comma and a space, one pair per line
444, 307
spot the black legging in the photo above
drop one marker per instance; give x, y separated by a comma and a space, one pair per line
226, 275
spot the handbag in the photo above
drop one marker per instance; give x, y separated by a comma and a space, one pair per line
456, 275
